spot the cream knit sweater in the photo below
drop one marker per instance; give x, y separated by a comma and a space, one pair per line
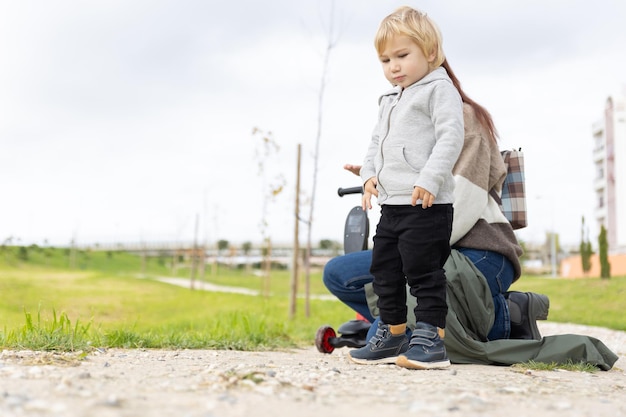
478, 221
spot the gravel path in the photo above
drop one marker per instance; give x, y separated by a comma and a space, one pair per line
204, 383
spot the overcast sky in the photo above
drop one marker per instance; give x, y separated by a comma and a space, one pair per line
125, 120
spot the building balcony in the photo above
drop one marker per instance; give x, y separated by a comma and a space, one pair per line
597, 127
599, 154
599, 184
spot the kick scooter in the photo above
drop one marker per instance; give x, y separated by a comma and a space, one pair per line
353, 332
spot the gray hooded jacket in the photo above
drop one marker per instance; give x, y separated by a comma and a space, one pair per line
417, 140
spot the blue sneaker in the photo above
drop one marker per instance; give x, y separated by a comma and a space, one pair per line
383, 347
426, 349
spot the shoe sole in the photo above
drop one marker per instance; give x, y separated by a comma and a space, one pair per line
384, 361
405, 362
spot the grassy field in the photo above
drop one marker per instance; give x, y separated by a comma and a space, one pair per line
589, 301
112, 300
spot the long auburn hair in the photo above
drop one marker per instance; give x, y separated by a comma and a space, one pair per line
483, 116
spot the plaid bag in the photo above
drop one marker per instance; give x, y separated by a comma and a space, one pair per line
513, 199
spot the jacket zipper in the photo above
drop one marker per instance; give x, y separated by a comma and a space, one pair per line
382, 157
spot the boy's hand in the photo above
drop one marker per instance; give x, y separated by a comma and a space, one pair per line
421, 194
369, 189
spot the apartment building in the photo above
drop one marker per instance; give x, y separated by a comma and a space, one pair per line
609, 157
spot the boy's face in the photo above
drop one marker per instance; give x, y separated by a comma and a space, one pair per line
403, 61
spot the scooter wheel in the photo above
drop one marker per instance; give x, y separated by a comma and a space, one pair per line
322, 339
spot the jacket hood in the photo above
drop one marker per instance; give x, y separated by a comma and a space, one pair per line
438, 73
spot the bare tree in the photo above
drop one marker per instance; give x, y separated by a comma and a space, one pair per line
330, 45
271, 187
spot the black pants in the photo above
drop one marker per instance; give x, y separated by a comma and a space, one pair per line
411, 245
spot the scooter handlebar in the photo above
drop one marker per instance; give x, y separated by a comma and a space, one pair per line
349, 190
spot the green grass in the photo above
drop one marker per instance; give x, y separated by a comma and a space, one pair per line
51, 307
105, 302
588, 301
552, 366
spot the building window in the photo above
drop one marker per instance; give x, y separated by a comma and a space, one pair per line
599, 171
598, 142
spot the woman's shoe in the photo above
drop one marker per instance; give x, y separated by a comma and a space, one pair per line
525, 309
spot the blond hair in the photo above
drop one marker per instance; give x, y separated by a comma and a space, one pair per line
417, 26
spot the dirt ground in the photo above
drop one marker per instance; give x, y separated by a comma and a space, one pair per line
204, 383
